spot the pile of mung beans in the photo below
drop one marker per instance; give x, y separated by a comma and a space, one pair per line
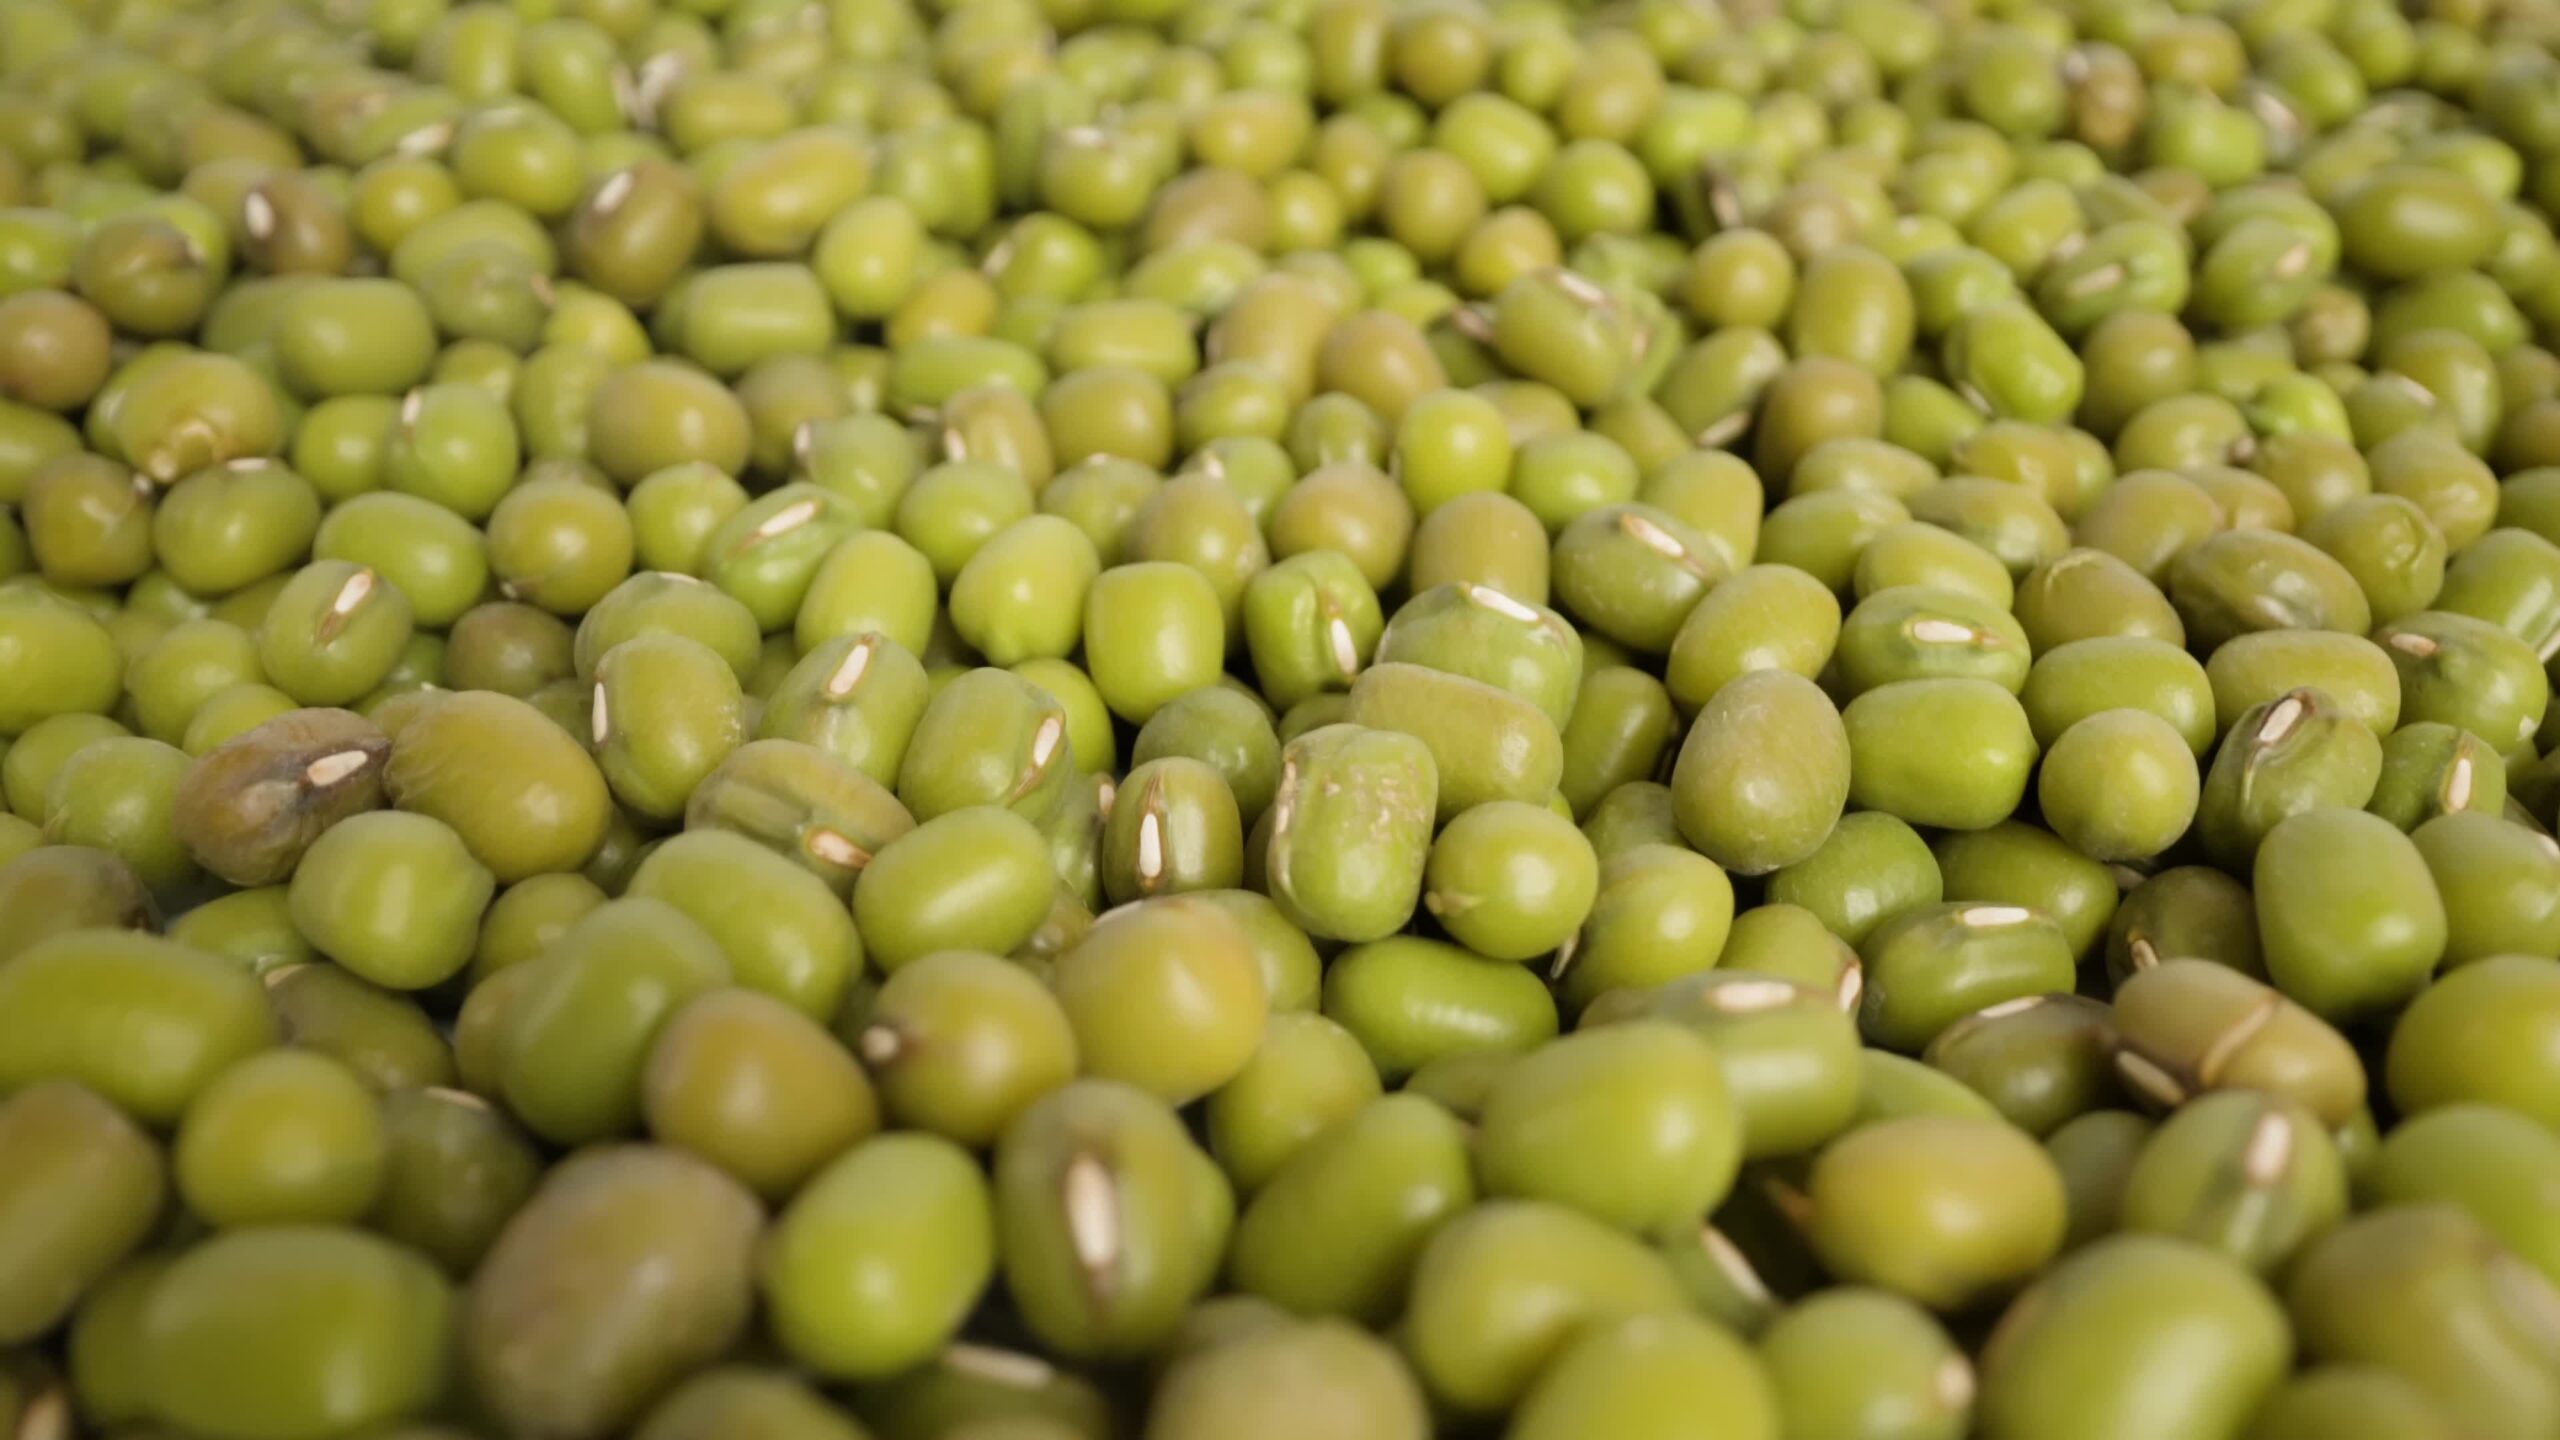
1279, 720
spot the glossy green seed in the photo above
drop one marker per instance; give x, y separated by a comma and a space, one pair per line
1411, 1001
2350, 917
1910, 1378
1501, 1290
1108, 1221
2484, 1158
283, 1137
1721, 784
61, 998
2042, 1061
2387, 1287
1341, 1224
1173, 969
630, 1266
83, 1188
1930, 966
1789, 1051
1953, 753
1663, 911
1946, 1212
1510, 880
2248, 1175
977, 878
2119, 785
1632, 1124
1305, 1074
905, 1223
578, 1028
1485, 744
2191, 1333
364, 1321
1349, 830
1636, 1376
